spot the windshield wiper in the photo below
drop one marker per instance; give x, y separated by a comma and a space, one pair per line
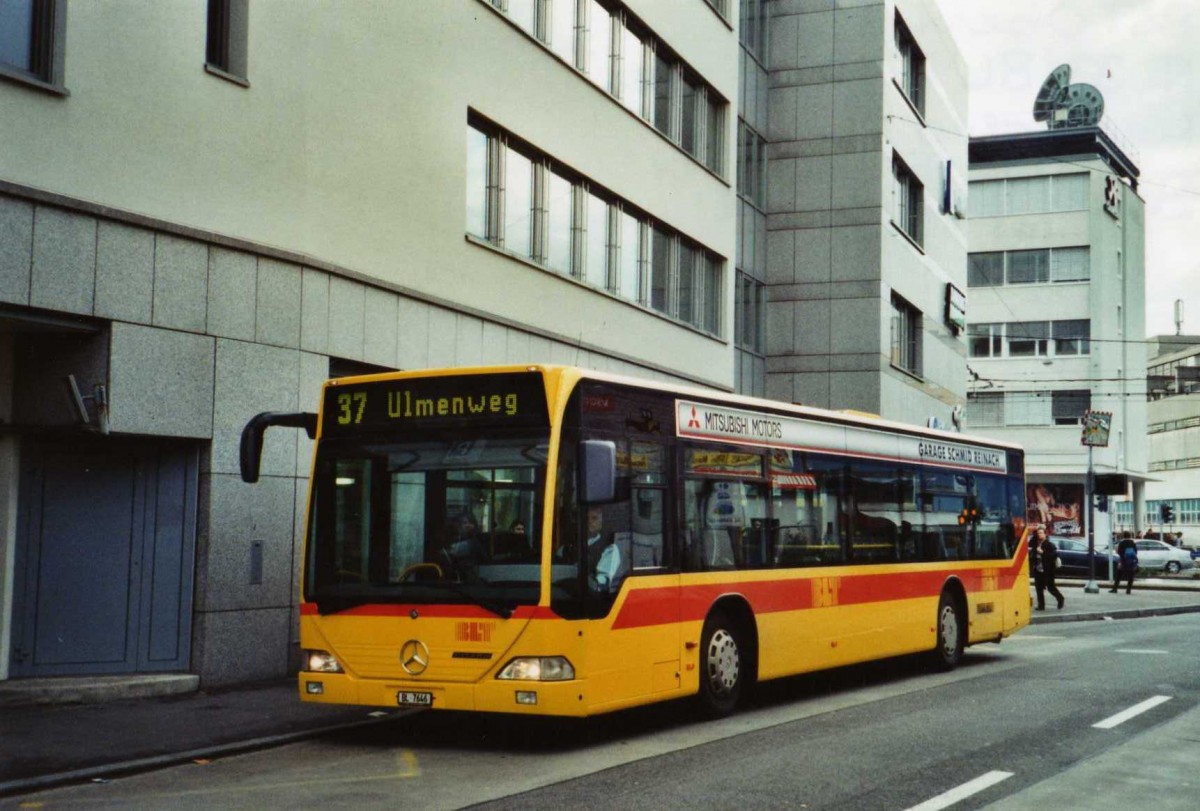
499, 609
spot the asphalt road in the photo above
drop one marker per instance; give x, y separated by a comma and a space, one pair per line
1015, 718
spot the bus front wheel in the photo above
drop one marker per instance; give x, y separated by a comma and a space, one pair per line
951, 628
723, 670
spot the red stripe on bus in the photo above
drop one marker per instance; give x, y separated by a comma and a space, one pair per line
660, 606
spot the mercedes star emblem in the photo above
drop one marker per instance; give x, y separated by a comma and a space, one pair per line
414, 657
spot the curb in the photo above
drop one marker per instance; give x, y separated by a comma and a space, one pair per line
96, 773
1122, 614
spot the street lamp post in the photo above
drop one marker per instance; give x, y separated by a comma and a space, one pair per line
1096, 427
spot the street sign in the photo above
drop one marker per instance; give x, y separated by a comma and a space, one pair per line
1096, 427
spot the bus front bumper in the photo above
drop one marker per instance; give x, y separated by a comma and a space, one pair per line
565, 698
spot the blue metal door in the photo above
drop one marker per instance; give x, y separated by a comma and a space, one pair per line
105, 557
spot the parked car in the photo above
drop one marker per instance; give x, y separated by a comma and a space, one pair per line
1159, 556
1073, 557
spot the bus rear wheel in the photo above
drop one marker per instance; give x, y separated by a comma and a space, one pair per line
722, 669
951, 630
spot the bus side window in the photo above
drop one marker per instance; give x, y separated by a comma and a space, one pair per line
647, 528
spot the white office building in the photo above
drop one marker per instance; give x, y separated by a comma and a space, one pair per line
1055, 302
1173, 433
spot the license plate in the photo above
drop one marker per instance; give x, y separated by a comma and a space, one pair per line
406, 698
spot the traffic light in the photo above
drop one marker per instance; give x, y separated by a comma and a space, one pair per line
969, 515
1167, 513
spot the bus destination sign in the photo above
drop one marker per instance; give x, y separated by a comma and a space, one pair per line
407, 404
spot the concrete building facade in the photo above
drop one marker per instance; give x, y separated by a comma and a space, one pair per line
284, 194
1173, 435
865, 237
1056, 300
754, 196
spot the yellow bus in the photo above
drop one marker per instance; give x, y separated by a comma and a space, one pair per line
550, 540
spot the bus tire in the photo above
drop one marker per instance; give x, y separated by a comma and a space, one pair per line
951, 633
722, 665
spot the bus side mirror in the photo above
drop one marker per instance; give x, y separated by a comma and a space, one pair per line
597, 471
250, 449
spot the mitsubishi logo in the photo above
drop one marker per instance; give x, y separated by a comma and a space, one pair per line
414, 657
694, 421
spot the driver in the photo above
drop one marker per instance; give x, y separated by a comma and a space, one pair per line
603, 556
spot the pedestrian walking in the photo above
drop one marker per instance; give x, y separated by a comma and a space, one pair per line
1127, 565
1043, 556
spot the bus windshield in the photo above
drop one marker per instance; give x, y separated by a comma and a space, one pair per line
427, 520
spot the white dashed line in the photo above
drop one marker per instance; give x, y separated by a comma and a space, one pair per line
1132, 712
962, 792
1142, 651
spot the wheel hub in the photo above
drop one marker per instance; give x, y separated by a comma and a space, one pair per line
723, 662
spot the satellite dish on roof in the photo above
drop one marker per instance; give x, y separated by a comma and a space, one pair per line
1048, 94
1063, 105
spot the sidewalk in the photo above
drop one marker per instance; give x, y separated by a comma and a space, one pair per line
50, 744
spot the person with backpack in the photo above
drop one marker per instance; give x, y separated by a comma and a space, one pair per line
1127, 564
1043, 560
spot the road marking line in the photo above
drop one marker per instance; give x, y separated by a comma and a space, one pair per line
1140, 650
1132, 712
410, 767
962, 792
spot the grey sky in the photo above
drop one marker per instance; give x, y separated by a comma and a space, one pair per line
1144, 56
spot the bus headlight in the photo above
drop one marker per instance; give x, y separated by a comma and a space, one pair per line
538, 668
319, 661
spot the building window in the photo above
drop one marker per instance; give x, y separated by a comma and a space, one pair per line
1028, 339
750, 312
523, 12
689, 129
478, 177
516, 234
911, 67
526, 203
753, 29
1039, 266
985, 340
906, 336
616, 51
633, 72
1068, 407
32, 34
1029, 195
228, 34
561, 28
599, 50
595, 260
711, 293
689, 288
660, 269
1071, 337
985, 410
752, 165
560, 219
1027, 408
664, 84
1028, 267
985, 269
1034, 408
629, 263
1069, 265
714, 135
909, 200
